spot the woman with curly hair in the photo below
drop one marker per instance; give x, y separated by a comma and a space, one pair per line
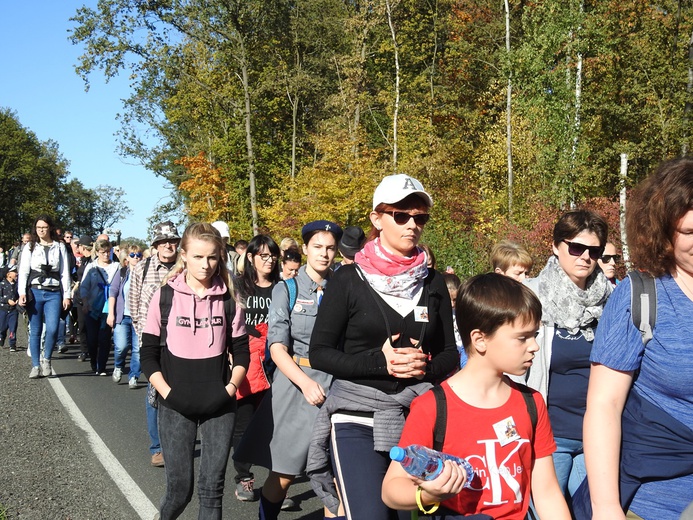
638, 431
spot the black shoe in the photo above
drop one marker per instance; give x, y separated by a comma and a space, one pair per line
82, 357
13, 348
2, 342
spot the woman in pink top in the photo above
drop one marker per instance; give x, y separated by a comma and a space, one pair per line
195, 353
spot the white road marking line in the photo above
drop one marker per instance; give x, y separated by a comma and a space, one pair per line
133, 493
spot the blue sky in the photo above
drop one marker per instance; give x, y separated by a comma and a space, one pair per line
38, 82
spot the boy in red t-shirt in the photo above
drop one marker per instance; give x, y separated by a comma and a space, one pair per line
488, 419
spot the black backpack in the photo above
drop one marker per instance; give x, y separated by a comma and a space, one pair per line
442, 413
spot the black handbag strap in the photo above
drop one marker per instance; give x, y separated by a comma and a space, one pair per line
378, 301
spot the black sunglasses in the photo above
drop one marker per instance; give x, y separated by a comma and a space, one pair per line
608, 258
402, 217
135, 255
577, 249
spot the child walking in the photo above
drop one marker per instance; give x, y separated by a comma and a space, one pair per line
8, 308
499, 426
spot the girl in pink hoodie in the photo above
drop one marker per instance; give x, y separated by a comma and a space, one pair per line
196, 369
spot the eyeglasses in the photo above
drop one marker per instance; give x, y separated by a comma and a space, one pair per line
578, 249
608, 258
68, 237
135, 255
402, 217
267, 257
170, 241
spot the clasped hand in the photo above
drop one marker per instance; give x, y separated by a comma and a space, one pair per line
404, 362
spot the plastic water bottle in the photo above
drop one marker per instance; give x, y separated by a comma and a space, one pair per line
427, 464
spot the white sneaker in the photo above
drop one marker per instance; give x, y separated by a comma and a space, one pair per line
132, 383
117, 374
35, 373
46, 368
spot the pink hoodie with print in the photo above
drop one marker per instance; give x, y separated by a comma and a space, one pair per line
198, 339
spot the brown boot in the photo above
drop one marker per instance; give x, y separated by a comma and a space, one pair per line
158, 460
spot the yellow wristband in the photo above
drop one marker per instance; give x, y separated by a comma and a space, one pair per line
434, 507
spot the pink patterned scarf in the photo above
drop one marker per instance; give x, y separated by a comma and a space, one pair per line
391, 274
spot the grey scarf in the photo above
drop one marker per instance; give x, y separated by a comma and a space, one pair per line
567, 306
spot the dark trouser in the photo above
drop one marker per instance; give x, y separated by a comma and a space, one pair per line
98, 341
245, 412
360, 471
81, 315
8, 325
178, 433
72, 323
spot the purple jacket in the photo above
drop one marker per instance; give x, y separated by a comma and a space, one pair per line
116, 291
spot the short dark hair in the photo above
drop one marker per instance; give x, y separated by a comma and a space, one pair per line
575, 222
489, 301
655, 207
292, 255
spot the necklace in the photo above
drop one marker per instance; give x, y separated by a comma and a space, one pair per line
680, 277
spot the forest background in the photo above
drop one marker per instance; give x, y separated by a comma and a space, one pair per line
270, 113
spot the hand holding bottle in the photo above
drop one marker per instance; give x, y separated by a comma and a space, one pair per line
447, 484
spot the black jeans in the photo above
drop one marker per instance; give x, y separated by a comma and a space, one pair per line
177, 433
98, 342
245, 412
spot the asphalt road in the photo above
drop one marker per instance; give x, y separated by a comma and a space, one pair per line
53, 465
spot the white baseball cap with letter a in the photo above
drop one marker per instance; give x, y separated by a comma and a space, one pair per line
394, 188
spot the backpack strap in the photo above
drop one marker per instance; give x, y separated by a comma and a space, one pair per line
531, 405
146, 268
292, 289
229, 309
643, 303
441, 418
165, 302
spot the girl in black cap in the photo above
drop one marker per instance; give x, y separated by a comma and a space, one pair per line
278, 435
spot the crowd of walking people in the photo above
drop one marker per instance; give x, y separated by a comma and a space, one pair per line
569, 394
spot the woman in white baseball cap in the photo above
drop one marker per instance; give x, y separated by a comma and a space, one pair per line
384, 331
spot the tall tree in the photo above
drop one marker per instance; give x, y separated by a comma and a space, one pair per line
31, 174
109, 206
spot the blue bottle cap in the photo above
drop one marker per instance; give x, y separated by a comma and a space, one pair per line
397, 454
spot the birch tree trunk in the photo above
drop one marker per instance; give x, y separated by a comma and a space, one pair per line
689, 93
622, 209
508, 114
248, 136
578, 104
395, 113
